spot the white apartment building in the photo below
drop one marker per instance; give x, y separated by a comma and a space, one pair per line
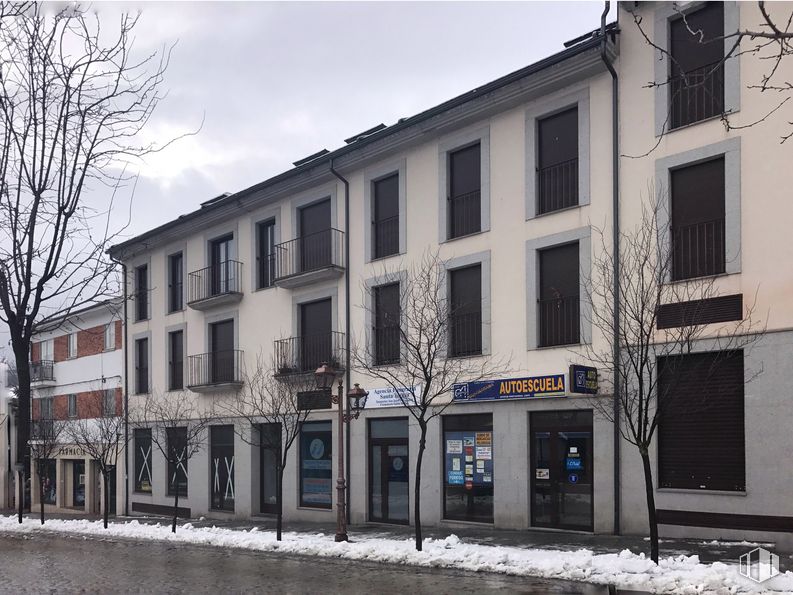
76, 373
7, 436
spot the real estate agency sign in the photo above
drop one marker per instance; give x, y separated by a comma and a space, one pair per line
551, 385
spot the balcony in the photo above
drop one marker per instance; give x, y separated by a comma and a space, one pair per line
42, 373
215, 371
465, 334
698, 250
557, 186
302, 355
215, 285
696, 95
560, 321
310, 259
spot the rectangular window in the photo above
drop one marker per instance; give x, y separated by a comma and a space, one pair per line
465, 311
468, 468
175, 283
558, 304
221, 470
316, 249
47, 350
141, 292
269, 455
141, 366
109, 402
701, 442
557, 161
465, 191
72, 405
176, 360
110, 336
46, 408
386, 324
143, 458
389, 470
265, 254
698, 213
316, 465
385, 216
176, 447
223, 364
696, 84
316, 342
50, 474
71, 345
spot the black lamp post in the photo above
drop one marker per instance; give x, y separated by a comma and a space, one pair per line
326, 375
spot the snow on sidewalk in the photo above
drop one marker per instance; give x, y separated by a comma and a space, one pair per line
680, 574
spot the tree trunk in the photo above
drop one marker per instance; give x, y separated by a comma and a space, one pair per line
279, 501
21, 493
175, 505
417, 486
21, 350
651, 514
105, 496
41, 497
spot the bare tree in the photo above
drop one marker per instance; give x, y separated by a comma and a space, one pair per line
100, 434
178, 425
651, 353
45, 442
426, 373
272, 416
72, 99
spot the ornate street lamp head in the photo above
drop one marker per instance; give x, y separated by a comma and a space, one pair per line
357, 399
325, 375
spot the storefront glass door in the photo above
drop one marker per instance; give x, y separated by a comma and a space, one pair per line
389, 470
561, 469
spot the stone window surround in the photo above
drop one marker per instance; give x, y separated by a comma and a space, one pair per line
550, 106
331, 292
448, 144
582, 235
310, 197
371, 284
168, 330
213, 318
370, 176
460, 262
172, 250
731, 150
133, 269
665, 13
260, 216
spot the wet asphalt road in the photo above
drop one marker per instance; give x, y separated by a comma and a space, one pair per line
49, 564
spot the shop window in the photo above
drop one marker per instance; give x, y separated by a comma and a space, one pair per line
222, 467
177, 460
143, 445
269, 455
316, 465
389, 471
468, 468
48, 470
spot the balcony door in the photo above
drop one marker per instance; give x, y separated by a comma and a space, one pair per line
315, 236
316, 334
220, 272
222, 347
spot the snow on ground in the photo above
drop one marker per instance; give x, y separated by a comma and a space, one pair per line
680, 574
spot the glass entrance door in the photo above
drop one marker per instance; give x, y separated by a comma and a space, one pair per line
388, 471
561, 470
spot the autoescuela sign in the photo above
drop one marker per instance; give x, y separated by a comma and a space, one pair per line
552, 385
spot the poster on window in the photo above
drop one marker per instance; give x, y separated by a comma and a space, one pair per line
468, 458
316, 465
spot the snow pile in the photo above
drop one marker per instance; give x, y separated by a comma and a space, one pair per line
680, 574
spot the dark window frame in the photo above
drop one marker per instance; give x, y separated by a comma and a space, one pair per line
558, 308
178, 435
175, 282
265, 253
464, 206
176, 368
141, 371
557, 177
466, 335
326, 429
142, 458
386, 340
71, 405
142, 292
221, 442
385, 229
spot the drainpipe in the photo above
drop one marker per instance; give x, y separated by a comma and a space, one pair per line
124, 354
346, 321
616, 251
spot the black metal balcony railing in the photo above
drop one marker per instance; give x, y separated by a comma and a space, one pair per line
218, 279
266, 270
557, 186
297, 355
698, 250
465, 214
312, 252
386, 345
215, 367
696, 95
42, 371
175, 296
560, 320
465, 334
386, 237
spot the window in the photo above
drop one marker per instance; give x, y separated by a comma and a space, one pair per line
221, 470
176, 439
141, 292
265, 255
385, 216
110, 336
465, 311
175, 283
465, 191
109, 402
46, 408
48, 470
558, 304
44, 425
696, 84
316, 238
701, 422
71, 345
316, 459
141, 366
47, 350
269, 457
316, 335
698, 215
222, 271
389, 496
176, 360
557, 161
223, 357
386, 324
468, 467
142, 438
72, 405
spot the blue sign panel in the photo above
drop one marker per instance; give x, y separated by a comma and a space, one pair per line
573, 463
583, 379
572, 478
510, 388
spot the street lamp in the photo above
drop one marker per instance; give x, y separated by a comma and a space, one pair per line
325, 376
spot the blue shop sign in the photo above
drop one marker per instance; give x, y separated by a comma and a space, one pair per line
551, 385
583, 379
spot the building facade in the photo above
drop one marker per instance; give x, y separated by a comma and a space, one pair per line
76, 374
512, 186
8, 382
